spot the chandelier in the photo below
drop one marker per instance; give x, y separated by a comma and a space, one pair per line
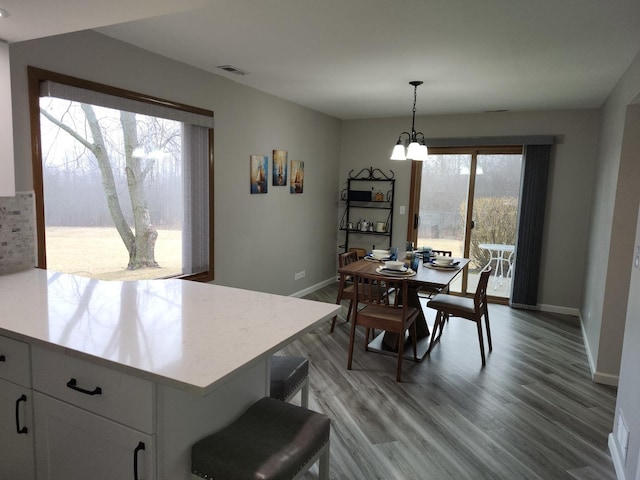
416, 150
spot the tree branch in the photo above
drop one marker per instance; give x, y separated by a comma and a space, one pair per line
67, 129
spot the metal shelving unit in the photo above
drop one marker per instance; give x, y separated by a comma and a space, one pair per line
369, 197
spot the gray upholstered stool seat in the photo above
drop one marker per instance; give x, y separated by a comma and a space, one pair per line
272, 440
288, 375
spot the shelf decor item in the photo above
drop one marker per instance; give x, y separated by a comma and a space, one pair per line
259, 173
297, 176
280, 164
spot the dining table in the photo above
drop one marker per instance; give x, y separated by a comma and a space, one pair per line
426, 275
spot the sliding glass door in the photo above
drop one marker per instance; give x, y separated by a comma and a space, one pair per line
466, 200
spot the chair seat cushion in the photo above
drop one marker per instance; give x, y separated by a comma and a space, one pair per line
391, 319
286, 374
452, 303
272, 440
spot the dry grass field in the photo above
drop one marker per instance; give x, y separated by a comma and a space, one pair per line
100, 253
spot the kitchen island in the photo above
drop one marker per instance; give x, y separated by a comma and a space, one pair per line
125, 376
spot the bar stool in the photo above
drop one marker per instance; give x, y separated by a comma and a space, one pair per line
288, 376
272, 440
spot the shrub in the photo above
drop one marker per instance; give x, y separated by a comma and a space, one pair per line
494, 222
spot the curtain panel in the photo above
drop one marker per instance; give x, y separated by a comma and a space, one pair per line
533, 196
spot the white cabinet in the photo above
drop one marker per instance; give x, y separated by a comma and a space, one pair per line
7, 177
16, 412
74, 443
16, 432
92, 421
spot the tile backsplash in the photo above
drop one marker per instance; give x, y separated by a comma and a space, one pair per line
17, 232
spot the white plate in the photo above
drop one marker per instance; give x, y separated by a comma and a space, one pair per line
397, 270
441, 267
397, 273
376, 259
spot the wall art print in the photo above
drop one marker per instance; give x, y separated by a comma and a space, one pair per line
280, 164
259, 173
297, 176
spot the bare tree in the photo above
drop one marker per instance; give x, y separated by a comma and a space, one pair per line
141, 244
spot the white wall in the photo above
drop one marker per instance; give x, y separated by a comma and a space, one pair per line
615, 202
7, 183
628, 401
564, 256
260, 240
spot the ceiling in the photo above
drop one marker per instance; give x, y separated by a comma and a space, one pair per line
354, 58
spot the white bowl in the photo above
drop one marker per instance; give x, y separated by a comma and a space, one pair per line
443, 261
394, 265
380, 254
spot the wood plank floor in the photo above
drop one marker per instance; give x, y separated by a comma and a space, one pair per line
531, 413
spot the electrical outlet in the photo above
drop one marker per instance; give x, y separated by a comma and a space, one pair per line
623, 437
299, 275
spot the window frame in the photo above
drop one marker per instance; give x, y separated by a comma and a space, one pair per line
35, 77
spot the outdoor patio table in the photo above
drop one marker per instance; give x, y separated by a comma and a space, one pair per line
501, 254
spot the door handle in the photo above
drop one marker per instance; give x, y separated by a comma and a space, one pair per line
416, 220
73, 385
23, 430
135, 459
473, 224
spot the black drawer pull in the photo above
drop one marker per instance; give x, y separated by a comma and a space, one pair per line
23, 398
73, 385
3, 358
135, 459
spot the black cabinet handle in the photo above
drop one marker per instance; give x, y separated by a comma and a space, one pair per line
73, 385
3, 358
135, 459
23, 398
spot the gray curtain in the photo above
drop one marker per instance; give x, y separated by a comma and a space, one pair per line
533, 196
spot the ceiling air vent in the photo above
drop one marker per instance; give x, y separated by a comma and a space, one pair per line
232, 69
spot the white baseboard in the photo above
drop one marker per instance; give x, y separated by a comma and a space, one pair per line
574, 312
313, 288
598, 377
616, 457
605, 378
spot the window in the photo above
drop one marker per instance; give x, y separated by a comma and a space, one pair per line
123, 181
465, 200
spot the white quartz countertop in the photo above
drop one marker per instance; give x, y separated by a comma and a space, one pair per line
189, 335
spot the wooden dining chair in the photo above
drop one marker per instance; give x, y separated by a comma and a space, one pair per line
345, 287
470, 308
383, 308
442, 253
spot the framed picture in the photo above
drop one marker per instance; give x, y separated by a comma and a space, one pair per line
259, 169
297, 176
279, 175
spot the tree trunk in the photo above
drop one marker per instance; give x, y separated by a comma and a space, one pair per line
99, 149
145, 236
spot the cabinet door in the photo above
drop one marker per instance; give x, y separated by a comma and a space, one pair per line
16, 449
73, 443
